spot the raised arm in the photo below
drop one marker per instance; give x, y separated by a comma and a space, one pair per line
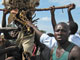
71, 6
5, 12
75, 52
53, 17
8, 49
39, 33
5, 29
73, 25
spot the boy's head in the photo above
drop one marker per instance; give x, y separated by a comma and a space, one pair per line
73, 27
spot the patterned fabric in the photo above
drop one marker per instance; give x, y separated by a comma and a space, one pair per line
27, 42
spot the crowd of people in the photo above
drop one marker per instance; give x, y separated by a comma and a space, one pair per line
64, 44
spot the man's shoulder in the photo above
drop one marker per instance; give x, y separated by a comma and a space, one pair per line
75, 48
75, 52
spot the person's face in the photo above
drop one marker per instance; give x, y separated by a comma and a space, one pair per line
61, 33
12, 33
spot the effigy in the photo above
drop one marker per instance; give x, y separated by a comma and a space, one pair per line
9, 4
22, 5
26, 35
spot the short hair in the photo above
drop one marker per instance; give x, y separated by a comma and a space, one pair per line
50, 34
73, 27
62, 23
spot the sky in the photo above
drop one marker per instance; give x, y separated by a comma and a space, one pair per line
44, 22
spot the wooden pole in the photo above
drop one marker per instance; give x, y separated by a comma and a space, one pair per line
44, 9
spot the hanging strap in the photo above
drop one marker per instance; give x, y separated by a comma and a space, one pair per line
70, 47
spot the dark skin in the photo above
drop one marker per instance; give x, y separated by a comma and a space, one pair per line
8, 29
71, 7
61, 34
5, 47
38, 32
8, 49
64, 33
5, 12
73, 25
53, 17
